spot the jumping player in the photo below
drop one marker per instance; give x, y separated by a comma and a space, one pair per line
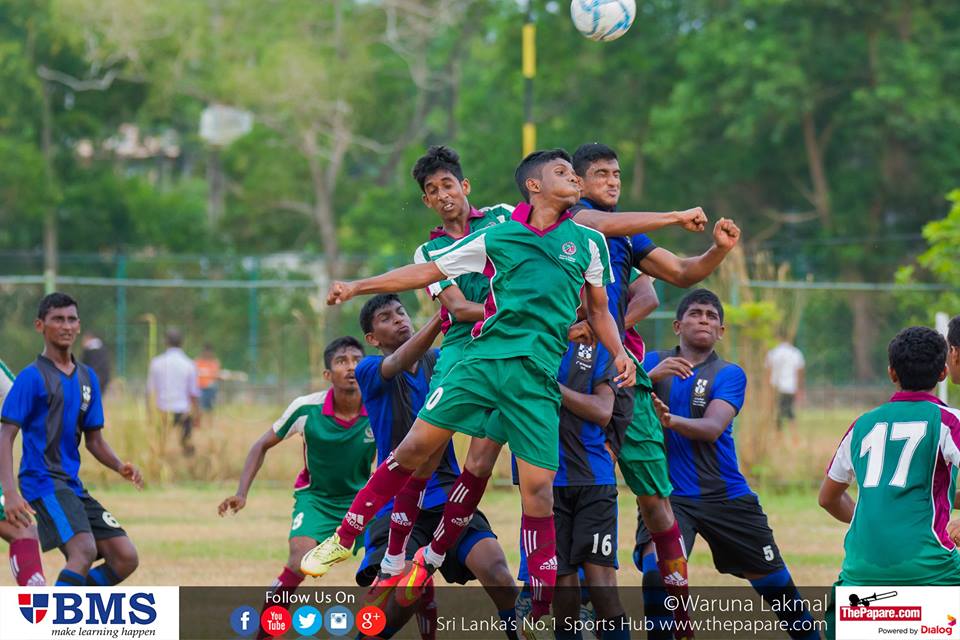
25, 561
635, 432
540, 260
338, 450
395, 386
54, 401
701, 394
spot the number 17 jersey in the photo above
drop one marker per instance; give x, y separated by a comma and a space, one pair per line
901, 456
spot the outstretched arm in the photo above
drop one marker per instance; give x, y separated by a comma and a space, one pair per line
411, 350
103, 452
411, 276
634, 222
604, 326
686, 272
835, 500
250, 468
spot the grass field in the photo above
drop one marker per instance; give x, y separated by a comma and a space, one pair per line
181, 540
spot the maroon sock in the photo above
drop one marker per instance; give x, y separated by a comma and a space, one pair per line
461, 505
427, 613
672, 564
539, 540
25, 563
406, 508
384, 484
287, 581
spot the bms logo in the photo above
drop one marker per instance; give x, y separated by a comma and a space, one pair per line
33, 606
90, 608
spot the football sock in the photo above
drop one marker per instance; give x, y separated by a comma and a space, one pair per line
69, 578
288, 581
25, 563
538, 537
654, 598
461, 505
406, 508
427, 613
385, 483
102, 576
510, 622
784, 599
672, 563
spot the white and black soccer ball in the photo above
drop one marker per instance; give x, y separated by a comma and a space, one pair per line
603, 20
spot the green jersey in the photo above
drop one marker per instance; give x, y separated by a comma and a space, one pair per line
535, 281
337, 455
901, 455
475, 286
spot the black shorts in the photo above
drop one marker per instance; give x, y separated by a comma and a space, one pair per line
454, 568
785, 403
586, 523
63, 514
736, 531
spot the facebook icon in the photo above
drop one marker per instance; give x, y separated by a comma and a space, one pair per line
244, 621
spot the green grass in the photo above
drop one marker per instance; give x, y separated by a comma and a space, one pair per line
182, 541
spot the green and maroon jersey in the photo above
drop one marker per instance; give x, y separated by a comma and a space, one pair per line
336, 454
535, 281
902, 456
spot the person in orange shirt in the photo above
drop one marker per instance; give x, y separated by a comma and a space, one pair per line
208, 379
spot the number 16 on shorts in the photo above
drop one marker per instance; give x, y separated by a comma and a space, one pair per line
602, 546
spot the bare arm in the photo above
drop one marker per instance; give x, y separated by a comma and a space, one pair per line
631, 223
18, 510
597, 407
456, 303
643, 300
714, 422
255, 458
685, 272
604, 326
103, 452
411, 276
411, 350
835, 500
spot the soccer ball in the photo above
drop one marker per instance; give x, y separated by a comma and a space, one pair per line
603, 20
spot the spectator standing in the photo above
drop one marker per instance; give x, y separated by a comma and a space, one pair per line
172, 382
786, 365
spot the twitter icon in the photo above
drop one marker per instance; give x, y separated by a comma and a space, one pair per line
307, 620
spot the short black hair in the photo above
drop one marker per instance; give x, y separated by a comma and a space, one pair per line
437, 158
344, 342
587, 154
55, 300
953, 332
700, 296
533, 164
918, 355
371, 307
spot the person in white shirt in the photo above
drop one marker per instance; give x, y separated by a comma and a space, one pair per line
172, 382
786, 365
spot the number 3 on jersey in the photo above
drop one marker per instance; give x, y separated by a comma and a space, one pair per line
875, 443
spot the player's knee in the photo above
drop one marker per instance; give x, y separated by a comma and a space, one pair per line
125, 560
655, 513
412, 453
538, 498
480, 465
496, 574
82, 550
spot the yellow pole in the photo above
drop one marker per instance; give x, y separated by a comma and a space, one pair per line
529, 72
